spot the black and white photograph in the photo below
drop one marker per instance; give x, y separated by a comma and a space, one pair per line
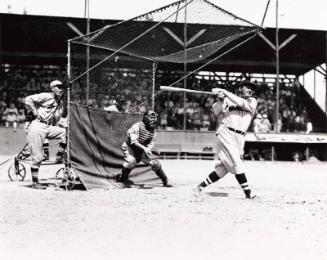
164, 129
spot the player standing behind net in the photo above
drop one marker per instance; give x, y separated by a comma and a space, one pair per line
138, 147
236, 113
45, 111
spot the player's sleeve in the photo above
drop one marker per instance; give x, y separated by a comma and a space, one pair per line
30, 103
35, 100
133, 133
218, 107
250, 104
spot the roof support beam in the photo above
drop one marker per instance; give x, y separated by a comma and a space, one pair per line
74, 28
282, 45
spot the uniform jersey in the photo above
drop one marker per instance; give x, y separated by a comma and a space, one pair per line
139, 133
236, 117
44, 105
230, 144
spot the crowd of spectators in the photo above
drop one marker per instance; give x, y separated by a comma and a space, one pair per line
16, 84
176, 110
292, 116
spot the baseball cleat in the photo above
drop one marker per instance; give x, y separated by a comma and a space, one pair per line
168, 185
38, 186
128, 182
117, 177
252, 196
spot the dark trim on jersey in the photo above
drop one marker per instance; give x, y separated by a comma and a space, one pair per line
145, 136
237, 108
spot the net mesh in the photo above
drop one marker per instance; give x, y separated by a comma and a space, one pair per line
125, 63
119, 79
186, 31
118, 61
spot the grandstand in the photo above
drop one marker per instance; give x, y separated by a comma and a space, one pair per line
36, 53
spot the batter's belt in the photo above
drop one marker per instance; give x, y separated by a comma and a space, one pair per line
236, 131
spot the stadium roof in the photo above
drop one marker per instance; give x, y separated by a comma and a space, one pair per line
27, 39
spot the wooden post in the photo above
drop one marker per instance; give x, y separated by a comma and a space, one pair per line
272, 153
185, 64
277, 70
307, 151
326, 74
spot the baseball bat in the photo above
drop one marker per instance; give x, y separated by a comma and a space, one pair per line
174, 89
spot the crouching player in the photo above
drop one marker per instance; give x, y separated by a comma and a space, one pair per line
138, 146
45, 109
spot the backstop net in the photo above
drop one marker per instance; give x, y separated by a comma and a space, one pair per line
119, 63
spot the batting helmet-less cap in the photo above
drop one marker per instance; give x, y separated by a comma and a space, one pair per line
55, 83
249, 85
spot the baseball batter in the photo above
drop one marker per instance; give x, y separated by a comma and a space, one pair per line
236, 113
46, 112
138, 147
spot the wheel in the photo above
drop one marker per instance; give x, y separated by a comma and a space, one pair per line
66, 178
17, 171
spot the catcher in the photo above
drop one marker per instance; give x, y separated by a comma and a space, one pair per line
138, 147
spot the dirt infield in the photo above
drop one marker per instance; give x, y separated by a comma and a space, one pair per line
287, 221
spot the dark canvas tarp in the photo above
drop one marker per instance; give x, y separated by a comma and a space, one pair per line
95, 138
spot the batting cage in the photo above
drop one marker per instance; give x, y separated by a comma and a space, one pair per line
118, 65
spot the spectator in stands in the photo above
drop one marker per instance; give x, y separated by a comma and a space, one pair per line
116, 105
304, 114
292, 116
257, 123
262, 124
313, 156
180, 115
11, 114
21, 118
163, 120
308, 127
253, 155
3, 107
286, 112
17, 82
297, 156
297, 123
205, 121
196, 117
276, 123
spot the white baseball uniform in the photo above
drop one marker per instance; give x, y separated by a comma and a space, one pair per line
235, 121
44, 105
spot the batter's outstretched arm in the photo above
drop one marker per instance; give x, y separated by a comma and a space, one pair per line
238, 101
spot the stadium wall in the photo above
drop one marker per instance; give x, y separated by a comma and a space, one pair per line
11, 142
197, 144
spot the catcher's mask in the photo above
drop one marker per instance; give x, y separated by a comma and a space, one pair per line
150, 119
